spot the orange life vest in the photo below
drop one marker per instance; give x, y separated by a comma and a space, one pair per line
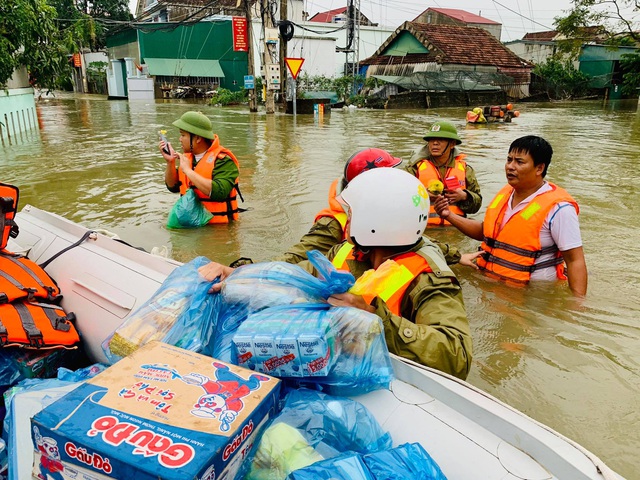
36, 325
412, 264
511, 250
23, 278
427, 171
335, 210
8, 206
225, 211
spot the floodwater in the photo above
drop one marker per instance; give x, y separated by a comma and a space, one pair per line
573, 365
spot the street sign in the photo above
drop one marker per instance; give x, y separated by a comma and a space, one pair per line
249, 82
294, 65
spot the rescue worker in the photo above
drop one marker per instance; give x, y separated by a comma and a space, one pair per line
206, 166
530, 229
440, 159
423, 312
329, 224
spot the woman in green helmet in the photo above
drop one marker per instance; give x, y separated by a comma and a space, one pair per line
205, 166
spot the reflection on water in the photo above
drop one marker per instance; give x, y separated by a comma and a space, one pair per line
572, 365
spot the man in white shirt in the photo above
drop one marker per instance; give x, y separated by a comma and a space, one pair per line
530, 230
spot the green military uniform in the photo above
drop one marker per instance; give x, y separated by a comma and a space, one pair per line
474, 200
433, 329
223, 179
327, 232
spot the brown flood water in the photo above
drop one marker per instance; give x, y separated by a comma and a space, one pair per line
572, 365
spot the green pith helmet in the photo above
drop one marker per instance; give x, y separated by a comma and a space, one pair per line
196, 123
443, 130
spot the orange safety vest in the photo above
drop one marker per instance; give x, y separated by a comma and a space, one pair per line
225, 211
335, 210
36, 325
427, 171
23, 278
412, 264
8, 206
511, 249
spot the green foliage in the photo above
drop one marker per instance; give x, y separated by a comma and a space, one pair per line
226, 97
562, 79
630, 64
349, 89
29, 36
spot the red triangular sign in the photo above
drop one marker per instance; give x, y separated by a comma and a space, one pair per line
294, 65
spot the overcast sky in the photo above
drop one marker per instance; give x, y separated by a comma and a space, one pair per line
516, 16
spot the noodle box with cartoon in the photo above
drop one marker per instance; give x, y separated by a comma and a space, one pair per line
160, 413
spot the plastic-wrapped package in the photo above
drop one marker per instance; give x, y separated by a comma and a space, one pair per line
406, 462
177, 314
188, 212
251, 288
341, 349
326, 426
373, 283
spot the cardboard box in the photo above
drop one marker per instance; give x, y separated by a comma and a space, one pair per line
160, 413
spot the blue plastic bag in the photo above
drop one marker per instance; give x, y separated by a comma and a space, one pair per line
188, 212
406, 462
178, 313
341, 350
313, 426
254, 287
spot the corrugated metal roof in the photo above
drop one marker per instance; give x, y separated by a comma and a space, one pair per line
184, 67
462, 15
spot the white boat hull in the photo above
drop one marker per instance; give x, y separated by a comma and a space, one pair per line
469, 433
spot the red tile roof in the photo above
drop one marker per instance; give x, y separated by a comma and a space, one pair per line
462, 16
541, 36
327, 17
464, 45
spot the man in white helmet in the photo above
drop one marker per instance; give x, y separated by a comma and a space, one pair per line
422, 311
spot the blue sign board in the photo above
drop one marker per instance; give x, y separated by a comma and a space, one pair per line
249, 82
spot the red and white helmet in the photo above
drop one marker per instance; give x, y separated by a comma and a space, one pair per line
388, 208
368, 159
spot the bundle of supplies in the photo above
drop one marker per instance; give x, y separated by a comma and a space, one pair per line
175, 314
406, 462
311, 427
340, 348
252, 288
160, 413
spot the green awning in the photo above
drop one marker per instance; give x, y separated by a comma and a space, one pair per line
184, 67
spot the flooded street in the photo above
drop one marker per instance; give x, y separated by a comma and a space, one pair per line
572, 365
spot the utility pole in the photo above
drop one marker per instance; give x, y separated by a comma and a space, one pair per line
270, 61
253, 101
283, 50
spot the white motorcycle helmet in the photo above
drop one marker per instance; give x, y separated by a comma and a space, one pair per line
388, 208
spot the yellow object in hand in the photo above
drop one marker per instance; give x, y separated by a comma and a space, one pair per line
435, 187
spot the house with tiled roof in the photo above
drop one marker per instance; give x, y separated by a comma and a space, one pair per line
535, 47
420, 56
461, 18
340, 15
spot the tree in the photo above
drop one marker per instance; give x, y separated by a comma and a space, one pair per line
562, 79
631, 73
29, 36
607, 21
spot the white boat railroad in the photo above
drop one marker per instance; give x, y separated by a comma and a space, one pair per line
469, 433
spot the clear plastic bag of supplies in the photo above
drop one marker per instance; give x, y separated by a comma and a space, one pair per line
251, 288
342, 350
177, 314
311, 427
188, 212
406, 462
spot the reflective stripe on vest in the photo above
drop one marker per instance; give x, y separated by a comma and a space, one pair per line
335, 210
23, 278
511, 249
411, 265
224, 211
8, 206
427, 171
36, 325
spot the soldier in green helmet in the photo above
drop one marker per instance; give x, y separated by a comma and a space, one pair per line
440, 161
205, 166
